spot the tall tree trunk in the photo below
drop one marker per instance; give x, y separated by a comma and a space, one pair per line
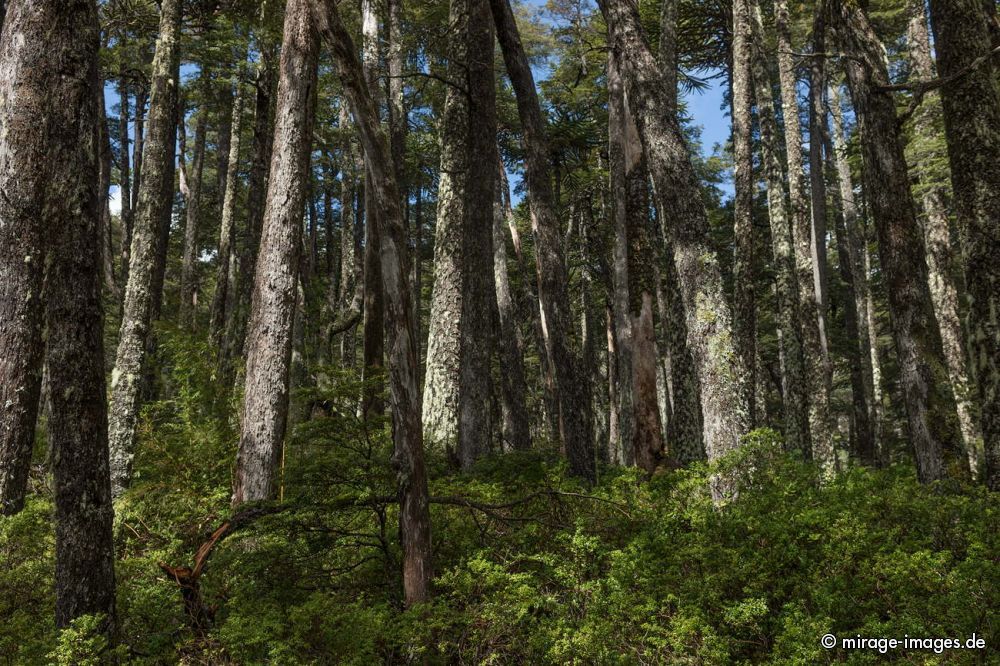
793, 381
516, 432
475, 423
553, 290
141, 297
189, 288
260, 162
820, 422
224, 292
709, 321
817, 174
78, 426
971, 100
443, 362
351, 293
851, 250
124, 169
941, 268
373, 343
138, 146
930, 409
744, 305
269, 338
643, 435
104, 192
408, 458
24, 90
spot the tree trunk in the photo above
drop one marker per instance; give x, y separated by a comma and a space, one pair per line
553, 291
813, 354
793, 381
408, 458
851, 250
477, 346
640, 429
351, 293
138, 146
516, 431
189, 288
141, 297
930, 409
269, 338
373, 343
744, 305
224, 292
443, 362
104, 192
941, 268
710, 333
971, 103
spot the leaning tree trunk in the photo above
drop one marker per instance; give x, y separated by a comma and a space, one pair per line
269, 338
971, 99
553, 290
516, 431
443, 366
350, 296
710, 333
793, 381
404, 367
941, 268
851, 250
475, 394
813, 350
141, 297
930, 408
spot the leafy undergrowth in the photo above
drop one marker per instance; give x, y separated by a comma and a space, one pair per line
531, 567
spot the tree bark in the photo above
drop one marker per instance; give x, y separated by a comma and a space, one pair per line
269, 338
851, 250
477, 345
516, 431
553, 291
744, 302
930, 409
141, 296
941, 269
408, 458
443, 362
189, 288
351, 293
709, 321
964, 32
793, 380
820, 422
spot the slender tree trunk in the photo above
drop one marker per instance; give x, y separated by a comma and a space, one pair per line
710, 333
443, 363
24, 91
929, 407
124, 170
269, 338
138, 146
850, 248
965, 32
744, 302
373, 343
516, 433
820, 421
224, 292
941, 268
256, 194
817, 175
553, 291
408, 458
794, 398
351, 284
153, 209
189, 288
104, 192
475, 423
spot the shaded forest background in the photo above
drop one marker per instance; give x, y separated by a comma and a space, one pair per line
430, 332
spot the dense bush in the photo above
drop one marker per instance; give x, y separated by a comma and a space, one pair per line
531, 567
